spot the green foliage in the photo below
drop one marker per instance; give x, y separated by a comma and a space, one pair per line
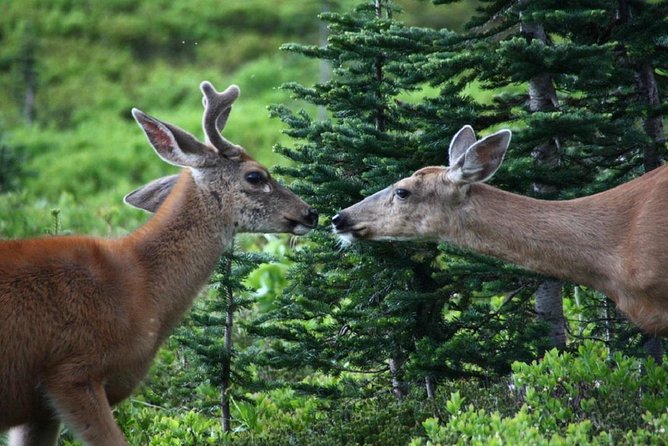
327, 321
378, 420
86, 170
594, 385
175, 381
587, 397
359, 309
86, 65
280, 409
151, 426
592, 397
10, 168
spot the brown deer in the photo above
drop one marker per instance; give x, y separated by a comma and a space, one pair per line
615, 241
82, 318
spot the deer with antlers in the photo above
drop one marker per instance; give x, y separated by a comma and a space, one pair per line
82, 318
614, 241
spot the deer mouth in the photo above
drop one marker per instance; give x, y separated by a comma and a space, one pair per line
352, 233
347, 229
299, 227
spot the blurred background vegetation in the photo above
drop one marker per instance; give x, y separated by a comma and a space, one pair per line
70, 71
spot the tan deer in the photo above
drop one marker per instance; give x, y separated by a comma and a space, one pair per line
615, 241
82, 318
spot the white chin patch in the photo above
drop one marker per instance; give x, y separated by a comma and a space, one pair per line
347, 239
388, 238
300, 230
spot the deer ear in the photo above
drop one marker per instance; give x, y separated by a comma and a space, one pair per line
174, 145
462, 140
150, 196
482, 159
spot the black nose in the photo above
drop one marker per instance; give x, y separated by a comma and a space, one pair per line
338, 221
312, 216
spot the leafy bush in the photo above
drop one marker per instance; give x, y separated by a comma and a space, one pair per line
151, 427
589, 398
381, 420
481, 427
608, 390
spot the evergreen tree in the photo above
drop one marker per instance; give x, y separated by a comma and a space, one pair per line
578, 96
640, 29
391, 312
209, 330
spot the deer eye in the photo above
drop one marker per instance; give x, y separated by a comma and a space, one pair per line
254, 177
402, 193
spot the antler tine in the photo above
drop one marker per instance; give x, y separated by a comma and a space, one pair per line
217, 107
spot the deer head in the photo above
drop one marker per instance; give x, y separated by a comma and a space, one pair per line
239, 187
429, 203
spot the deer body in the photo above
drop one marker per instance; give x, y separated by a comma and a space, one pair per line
606, 241
81, 318
613, 241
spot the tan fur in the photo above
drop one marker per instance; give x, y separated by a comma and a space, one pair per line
81, 318
614, 241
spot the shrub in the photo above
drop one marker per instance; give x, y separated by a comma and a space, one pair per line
146, 425
589, 398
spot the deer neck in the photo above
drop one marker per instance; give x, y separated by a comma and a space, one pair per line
572, 240
178, 249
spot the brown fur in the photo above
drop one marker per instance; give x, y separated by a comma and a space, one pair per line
613, 241
81, 318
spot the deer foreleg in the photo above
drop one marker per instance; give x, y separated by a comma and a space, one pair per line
83, 407
36, 433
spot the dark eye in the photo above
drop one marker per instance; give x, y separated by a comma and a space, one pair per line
402, 193
254, 177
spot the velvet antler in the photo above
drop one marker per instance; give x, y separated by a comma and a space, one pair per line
217, 107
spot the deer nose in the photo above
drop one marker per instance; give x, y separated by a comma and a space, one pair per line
338, 221
312, 216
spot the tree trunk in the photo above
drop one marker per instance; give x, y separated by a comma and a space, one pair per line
653, 124
652, 159
653, 346
430, 385
578, 304
399, 387
549, 307
649, 92
226, 382
378, 68
648, 89
609, 315
543, 97
324, 64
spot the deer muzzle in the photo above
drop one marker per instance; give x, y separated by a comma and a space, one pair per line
308, 221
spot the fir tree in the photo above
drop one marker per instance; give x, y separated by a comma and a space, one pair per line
209, 331
377, 310
578, 96
407, 312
